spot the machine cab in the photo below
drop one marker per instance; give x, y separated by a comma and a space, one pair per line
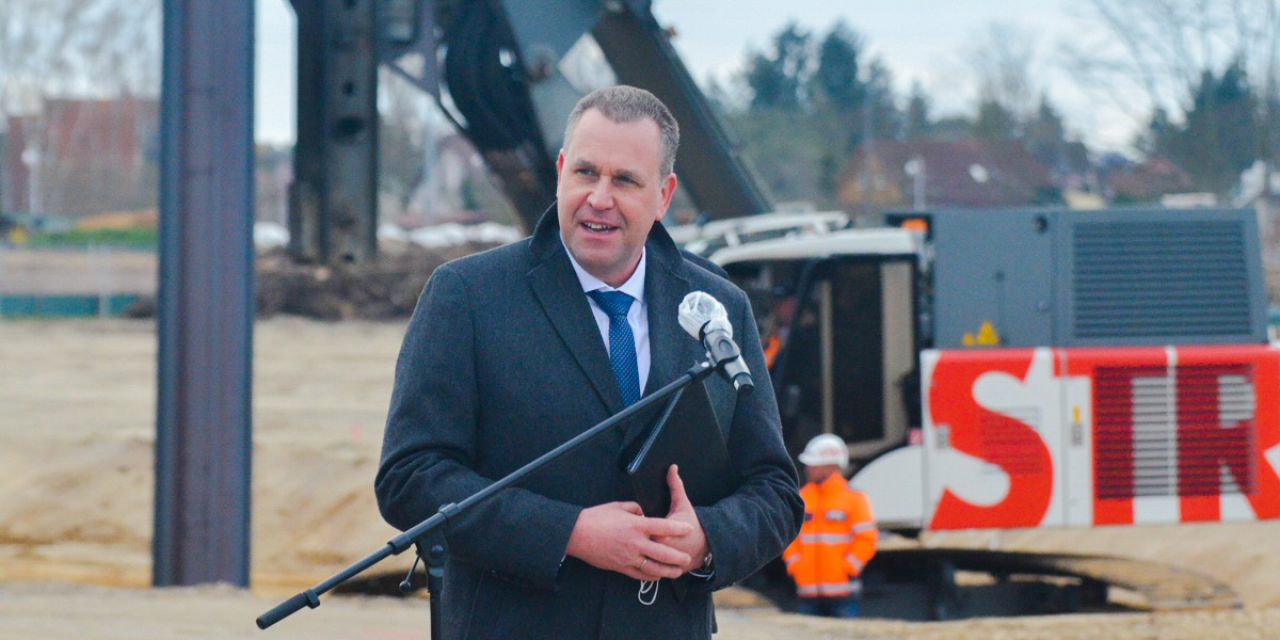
839, 324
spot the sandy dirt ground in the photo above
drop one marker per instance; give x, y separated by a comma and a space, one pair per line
77, 403
76, 612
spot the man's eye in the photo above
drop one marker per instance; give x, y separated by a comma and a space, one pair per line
586, 172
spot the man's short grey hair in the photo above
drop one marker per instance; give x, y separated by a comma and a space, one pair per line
623, 104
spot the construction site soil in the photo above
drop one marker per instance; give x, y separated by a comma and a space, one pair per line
77, 405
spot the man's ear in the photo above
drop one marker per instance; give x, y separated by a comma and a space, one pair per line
668, 191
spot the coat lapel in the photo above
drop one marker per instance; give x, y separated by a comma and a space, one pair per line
560, 294
556, 287
671, 351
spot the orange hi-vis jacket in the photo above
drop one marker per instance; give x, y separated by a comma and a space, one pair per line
836, 541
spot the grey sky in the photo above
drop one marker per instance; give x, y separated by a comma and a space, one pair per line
925, 41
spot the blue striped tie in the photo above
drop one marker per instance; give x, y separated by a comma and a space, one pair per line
622, 345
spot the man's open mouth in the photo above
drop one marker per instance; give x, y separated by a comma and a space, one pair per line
597, 227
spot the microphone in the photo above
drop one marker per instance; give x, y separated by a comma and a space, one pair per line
704, 318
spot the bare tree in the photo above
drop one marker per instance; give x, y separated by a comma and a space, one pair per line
1157, 50
77, 47
52, 51
404, 140
1003, 59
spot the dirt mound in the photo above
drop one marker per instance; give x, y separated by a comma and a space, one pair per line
384, 289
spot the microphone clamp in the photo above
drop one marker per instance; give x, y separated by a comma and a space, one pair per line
726, 357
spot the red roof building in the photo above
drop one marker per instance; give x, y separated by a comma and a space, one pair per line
964, 173
84, 156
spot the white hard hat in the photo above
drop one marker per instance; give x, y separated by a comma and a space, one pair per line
824, 450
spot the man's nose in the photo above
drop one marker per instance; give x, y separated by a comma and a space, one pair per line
601, 196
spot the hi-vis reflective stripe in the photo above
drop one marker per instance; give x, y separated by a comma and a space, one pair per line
866, 526
793, 559
816, 590
853, 560
825, 538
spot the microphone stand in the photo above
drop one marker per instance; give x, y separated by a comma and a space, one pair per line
430, 532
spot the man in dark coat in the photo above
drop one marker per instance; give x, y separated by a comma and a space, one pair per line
508, 354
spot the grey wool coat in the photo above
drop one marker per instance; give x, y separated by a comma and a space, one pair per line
503, 361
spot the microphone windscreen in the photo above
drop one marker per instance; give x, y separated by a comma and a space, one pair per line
699, 308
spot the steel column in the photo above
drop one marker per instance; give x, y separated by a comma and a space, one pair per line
333, 201
205, 313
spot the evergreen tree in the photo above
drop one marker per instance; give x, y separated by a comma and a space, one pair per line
917, 124
995, 122
812, 102
1044, 136
777, 78
1218, 138
1159, 132
885, 121
767, 82
836, 77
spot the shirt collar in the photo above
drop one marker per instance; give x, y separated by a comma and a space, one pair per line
634, 286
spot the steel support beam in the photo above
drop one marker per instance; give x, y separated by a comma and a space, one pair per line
709, 165
205, 312
333, 206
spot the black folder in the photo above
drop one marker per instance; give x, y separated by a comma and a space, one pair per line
684, 432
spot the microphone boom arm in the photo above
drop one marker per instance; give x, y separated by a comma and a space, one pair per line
434, 524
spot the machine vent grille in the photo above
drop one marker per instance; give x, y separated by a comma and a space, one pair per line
1192, 435
1159, 279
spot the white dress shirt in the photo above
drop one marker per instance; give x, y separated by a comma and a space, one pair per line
637, 315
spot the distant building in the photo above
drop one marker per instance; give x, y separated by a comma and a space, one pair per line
951, 173
1144, 182
78, 157
16, 182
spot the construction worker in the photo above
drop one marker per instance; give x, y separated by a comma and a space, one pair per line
838, 536
776, 328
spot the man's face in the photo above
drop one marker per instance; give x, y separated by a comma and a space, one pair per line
819, 473
609, 193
